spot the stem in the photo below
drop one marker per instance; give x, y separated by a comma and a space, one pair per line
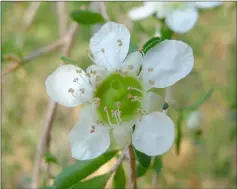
118, 163
132, 164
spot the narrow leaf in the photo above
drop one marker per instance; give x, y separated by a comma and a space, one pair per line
140, 170
80, 170
179, 131
68, 60
119, 181
143, 159
95, 182
200, 101
158, 164
87, 17
150, 43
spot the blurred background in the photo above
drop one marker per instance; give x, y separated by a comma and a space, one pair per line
27, 26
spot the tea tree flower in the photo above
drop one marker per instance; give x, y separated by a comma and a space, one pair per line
115, 93
179, 16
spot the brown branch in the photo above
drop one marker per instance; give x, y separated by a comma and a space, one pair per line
103, 10
132, 164
62, 18
50, 114
118, 163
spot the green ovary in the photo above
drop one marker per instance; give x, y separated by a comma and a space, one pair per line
114, 90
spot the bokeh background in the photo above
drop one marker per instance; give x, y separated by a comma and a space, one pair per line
210, 164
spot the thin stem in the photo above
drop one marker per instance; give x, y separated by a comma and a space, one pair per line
132, 164
118, 163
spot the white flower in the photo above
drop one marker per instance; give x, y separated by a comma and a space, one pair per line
194, 120
115, 93
179, 16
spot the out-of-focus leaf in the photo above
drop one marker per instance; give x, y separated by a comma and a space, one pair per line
87, 17
143, 159
132, 48
119, 181
179, 131
166, 33
80, 170
49, 158
140, 170
158, 164
93, 183
150, 43
200, 101
68, 60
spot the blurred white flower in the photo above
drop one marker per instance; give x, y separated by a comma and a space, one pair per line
115, 93
194, 120
179, 16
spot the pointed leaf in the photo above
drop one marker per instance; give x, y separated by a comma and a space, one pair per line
119, 181
143, 159
158, 164
93, 183
150, 43
140, 170
80, 170
87, 17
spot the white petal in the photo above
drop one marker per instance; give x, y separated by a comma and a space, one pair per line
123, 136
163, 9
86, 144
96, 74
110, 45
154, 134
169, 61
68, 85
182, 20
89, 112
210, 4
140, 13
152, 102
132, 63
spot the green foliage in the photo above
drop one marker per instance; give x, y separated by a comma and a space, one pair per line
132, 48
150, 43
87, 17
80, 170
119, 181
166, 33
68, 60
140, 170
179, 131
158, 164
95, 182
142, 158
49, 158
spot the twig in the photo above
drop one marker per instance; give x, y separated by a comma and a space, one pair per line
118, 163
50, 114
43, 50
132, 167
103, 10
62, 17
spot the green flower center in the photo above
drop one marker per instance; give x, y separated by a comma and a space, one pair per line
118, 98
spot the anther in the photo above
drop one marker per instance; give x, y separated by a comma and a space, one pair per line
103, 50
79, 71
76, 79
150, 69
107, 114
120, 43
130, 67
151, 82
82, 90
71, 90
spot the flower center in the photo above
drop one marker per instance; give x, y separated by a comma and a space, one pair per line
118, 98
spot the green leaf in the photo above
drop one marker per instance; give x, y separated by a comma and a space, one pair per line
158, 164
119, 181
150, 43
68, 60
200, 101
132, 48
166, 33
140, 170
87, 17
179, 131
80, 170
49, 158
143, 159
93, 183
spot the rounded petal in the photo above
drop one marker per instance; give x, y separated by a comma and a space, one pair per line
123, 136
166, 63
140, 13
88, 140
68, 85
110, 45
132, 63
182, 20
207, 5
89, 112
152, 102
96, 74
154, 134
162, 9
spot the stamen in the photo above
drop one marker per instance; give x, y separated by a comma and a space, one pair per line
96, 102
107, 114
133, 88
151, 82
71, 90
120, 43
114, 113
92, 59
130, 67
150, 69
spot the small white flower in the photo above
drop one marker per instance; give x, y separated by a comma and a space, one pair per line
179, 16
115, 93
194, 120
